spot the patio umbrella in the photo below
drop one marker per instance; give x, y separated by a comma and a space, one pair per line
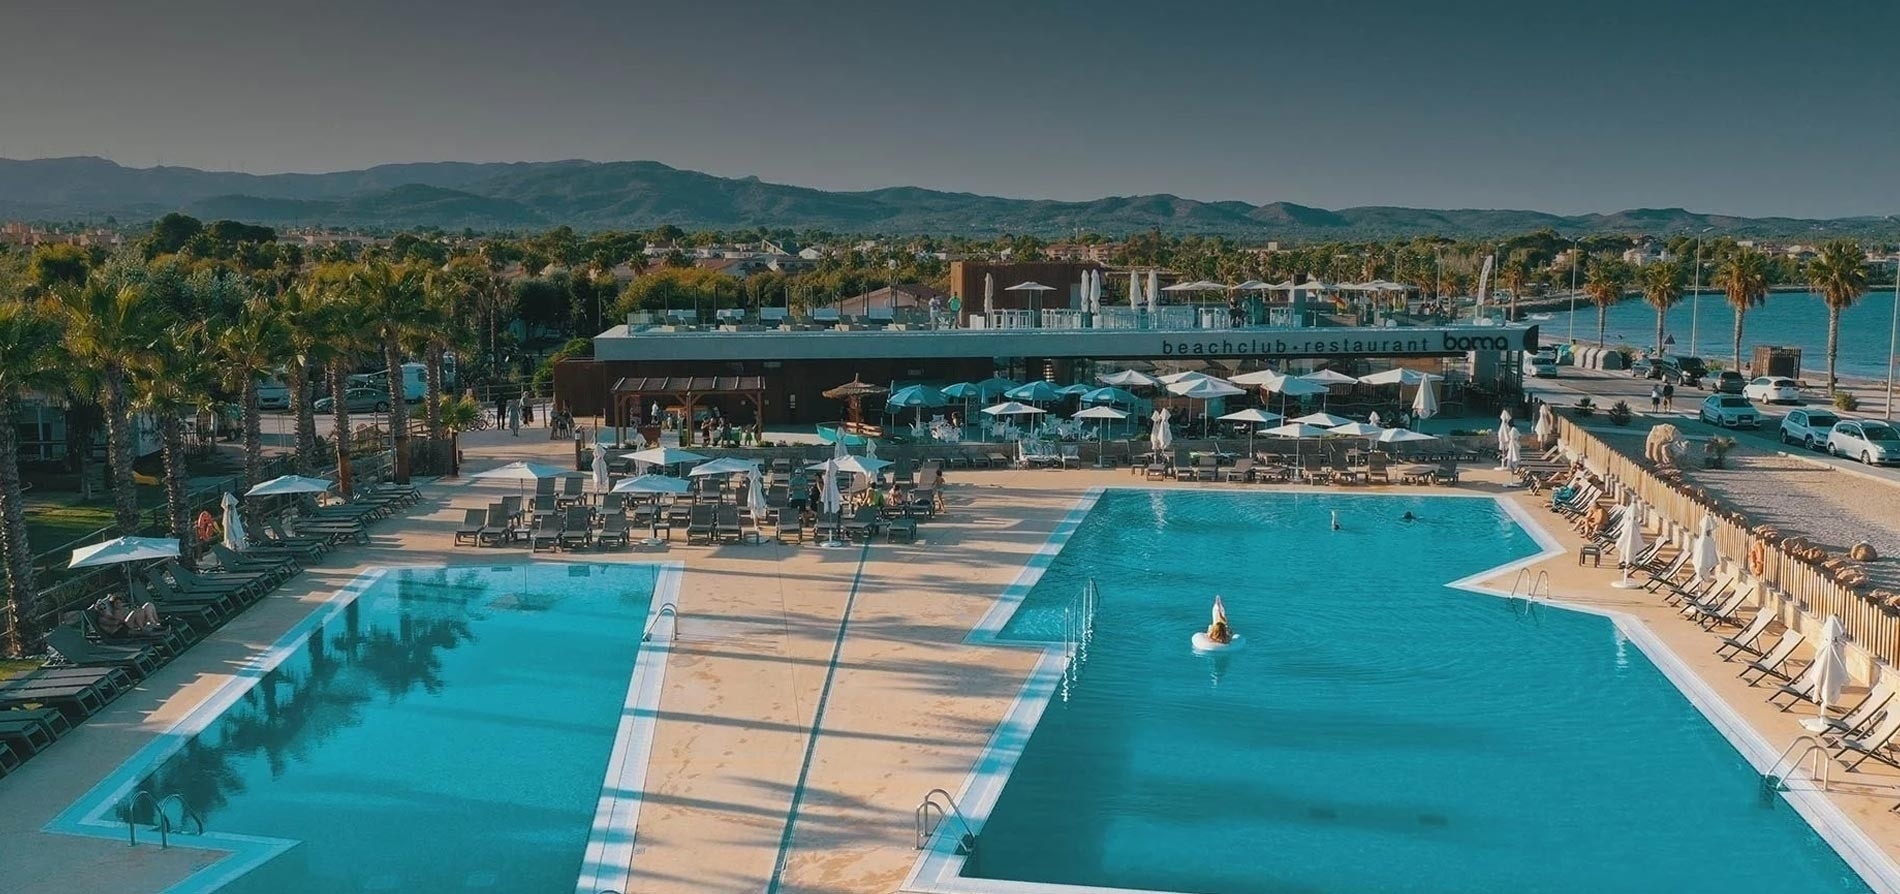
725, 465
1162, 437
1252, 285
234, 538
1111, 395
839, 450
1299, 432
1357, 430
526, 471
832, 499
1373, 417
1506, 435
870, 448
1034, 392
1076, 390
1323, 420
853, 394
857, 465
601, 479
960, 391
1104, 415
1402, 436
1425, 403
1512, 451
1128, 378
1185, 376
1329, 377
1703, 556
755, 493
1399, 375
123, 550
1829, 672
1629, 542
916, 397
1035, 290
1153, 292
989, 298
289, 484
993, 387
664, 457
653, 484
1012, 408
1204, 389
1254, 418
1546, 425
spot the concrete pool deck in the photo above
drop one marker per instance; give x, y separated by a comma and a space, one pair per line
907, 704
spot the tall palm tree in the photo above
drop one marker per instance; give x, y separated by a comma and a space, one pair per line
1839, 273
345, 325
458, 414
249, 349
300, 316
178, 380
1744, 279
112, 328
1515, 274
1662, 288
397, 303
1605, 286
31, 359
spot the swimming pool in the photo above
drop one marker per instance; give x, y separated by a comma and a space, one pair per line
1381, 731
430, 729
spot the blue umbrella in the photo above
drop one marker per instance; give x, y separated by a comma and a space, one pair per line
993, 386
1077, 388
1034, 392
1101, 396
962, 391
916, 397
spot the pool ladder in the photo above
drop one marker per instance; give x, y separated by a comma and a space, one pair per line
161, 820
936, 807
1530, 590
1078, 630
666, 609
1801, 749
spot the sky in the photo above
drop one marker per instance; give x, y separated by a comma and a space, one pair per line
1739, 107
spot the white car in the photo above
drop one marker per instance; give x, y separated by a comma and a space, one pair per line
1874, 443
1809, 428
1773, 390
1730, 411
273, 395
1541, 365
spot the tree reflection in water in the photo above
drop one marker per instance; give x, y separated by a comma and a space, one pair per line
296, 707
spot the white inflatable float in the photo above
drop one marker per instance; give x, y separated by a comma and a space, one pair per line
1204, 645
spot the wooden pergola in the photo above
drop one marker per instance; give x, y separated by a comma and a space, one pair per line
630, 396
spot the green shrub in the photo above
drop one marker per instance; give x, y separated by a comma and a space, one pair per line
1620, 413
1846, 401
1586, 407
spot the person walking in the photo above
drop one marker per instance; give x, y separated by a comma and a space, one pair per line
1655, 398
1669, 397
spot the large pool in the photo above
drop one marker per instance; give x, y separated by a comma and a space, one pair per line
432, 729
1381, 731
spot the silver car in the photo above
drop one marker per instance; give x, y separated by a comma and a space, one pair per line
1809, 428
1874, 443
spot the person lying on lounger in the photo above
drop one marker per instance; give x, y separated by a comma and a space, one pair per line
114, 619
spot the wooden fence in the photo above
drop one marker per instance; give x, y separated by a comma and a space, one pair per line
1876, 630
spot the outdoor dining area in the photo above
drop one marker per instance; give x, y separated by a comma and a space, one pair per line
710, 501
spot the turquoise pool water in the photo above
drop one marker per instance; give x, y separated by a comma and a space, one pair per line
448, 730
1380, 732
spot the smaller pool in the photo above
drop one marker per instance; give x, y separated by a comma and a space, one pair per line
432, 729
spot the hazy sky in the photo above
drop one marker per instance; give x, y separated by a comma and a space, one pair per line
1743, 107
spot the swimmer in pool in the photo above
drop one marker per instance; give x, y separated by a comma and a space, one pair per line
1218, 631
1408, 516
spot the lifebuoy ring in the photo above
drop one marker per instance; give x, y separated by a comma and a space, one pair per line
1204, 645
1757, 558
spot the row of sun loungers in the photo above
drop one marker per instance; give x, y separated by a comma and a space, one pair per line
87, 669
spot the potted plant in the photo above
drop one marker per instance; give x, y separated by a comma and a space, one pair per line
1620, 413
1715, 454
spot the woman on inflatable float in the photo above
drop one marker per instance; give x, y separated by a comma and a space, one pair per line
1218, 637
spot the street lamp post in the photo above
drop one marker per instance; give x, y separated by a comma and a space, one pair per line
1576, 258
1893, 338
1695, 293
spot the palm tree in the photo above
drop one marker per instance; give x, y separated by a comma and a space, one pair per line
1744, 279
1662, 288
300, 315
178, 380
1839, 273
1605, 286
344, 323
31, 359
458, 414
1514, 275
248, 350
398, 307
111, 328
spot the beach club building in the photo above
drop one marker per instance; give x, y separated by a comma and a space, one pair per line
776, 370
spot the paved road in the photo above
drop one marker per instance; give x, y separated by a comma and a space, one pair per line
1606, 388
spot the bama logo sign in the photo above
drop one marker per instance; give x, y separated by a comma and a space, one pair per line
1365, 342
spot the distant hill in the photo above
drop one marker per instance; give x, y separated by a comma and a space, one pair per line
641, 194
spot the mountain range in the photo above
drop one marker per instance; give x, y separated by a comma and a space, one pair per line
591, 195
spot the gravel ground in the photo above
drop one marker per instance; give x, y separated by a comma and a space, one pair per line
1833, 509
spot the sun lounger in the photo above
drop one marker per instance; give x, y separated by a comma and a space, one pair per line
613, 531
1668, 572
243, 589
726, 524
1700, 591
27, 731
1744, 641
1774, 663
164, 591
1709, 614
1862, 717
474, 522
577, 529
269, 567
500, 530
77, 696
1875, 744
72, 646
901, 530
699, 523
546, 533
1796, 691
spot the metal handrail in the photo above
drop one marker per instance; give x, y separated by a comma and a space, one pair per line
1802, 747
945, 806
666, 608
161, 821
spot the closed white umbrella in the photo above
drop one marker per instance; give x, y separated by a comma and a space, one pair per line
1546, 425
234, 538
1425, 402
989, 298
1163, 437
832, 500
1134, 291
1512, 450
755, 494
602, 481
870, 447
1628, 544
289, 484
1154, 289
1703, 556
1373, 417
839, 450
1828, 674
1506, 434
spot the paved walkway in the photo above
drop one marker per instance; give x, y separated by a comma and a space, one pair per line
908, 708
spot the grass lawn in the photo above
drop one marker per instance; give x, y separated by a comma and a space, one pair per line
49, 524
12, 668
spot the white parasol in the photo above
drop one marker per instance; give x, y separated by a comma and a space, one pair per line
234, 538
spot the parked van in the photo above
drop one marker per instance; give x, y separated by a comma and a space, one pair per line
415, 379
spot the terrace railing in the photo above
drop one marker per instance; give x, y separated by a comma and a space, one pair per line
1872, 626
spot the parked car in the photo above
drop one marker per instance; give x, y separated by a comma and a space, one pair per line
273, 395
1773, 390
1650, 367
1809, 428
1729, 411
1874, 443
1689, 371
1541, 365
358, 400
1729, 381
